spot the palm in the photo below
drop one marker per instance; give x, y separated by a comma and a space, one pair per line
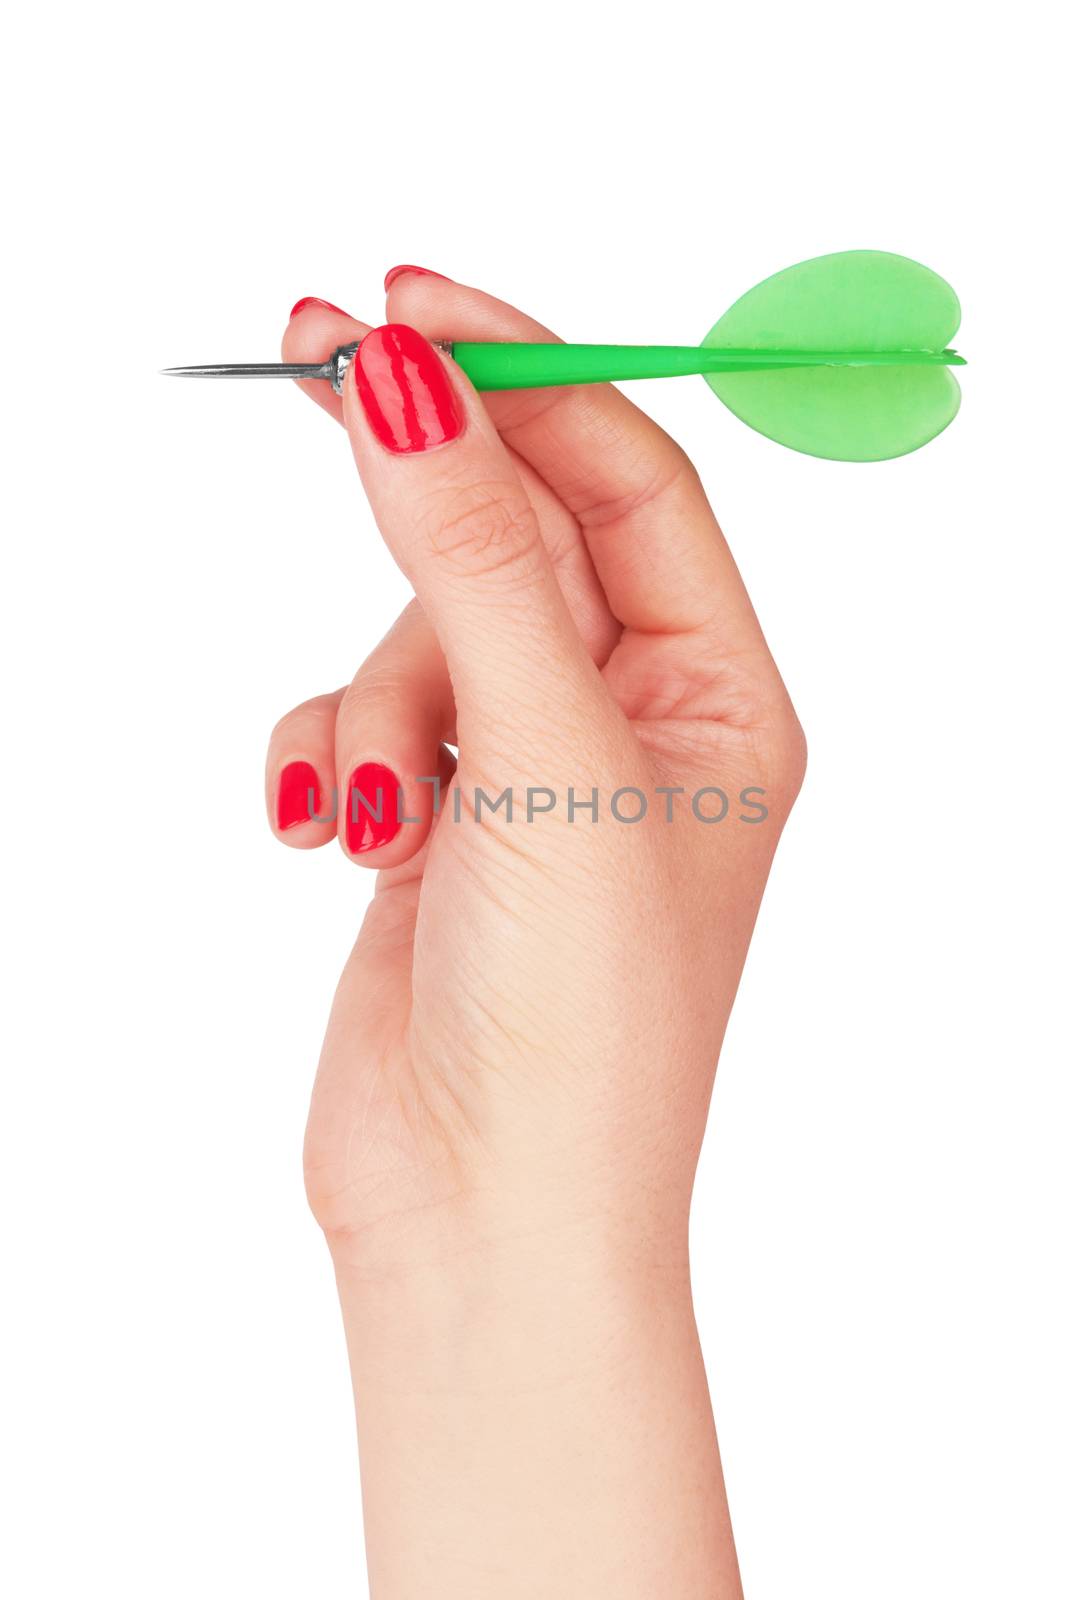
382, 1137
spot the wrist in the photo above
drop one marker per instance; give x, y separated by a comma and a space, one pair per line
538, 1300
527, 1410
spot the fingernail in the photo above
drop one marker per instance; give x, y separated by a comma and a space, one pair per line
419, 272
372, 817
313, 300
405, 392
298, 794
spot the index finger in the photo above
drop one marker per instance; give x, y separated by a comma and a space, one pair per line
658, 550
316, 326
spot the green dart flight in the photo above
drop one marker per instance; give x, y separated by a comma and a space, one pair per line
845, 356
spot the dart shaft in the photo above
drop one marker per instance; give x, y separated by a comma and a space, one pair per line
536, 366
539, 366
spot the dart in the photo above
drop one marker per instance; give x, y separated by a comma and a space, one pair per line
845, 356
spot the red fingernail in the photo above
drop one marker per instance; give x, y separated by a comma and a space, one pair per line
374, 802
298, 794
419, 272
404, 388
313, 300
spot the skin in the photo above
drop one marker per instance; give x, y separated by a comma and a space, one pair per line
515, 1080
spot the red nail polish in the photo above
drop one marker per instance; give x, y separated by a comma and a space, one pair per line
373, 814
313, 300
419, 272
298, 794
404, 388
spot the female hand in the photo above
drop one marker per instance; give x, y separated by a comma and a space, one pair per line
515, 1080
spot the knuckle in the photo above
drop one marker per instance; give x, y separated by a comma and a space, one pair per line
377, 681
311, 718
789, 750
380, 689
483, 529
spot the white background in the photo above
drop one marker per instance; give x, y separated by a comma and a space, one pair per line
877, 1228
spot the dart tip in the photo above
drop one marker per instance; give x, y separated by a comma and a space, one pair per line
256, 369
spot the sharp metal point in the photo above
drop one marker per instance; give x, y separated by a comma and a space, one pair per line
256, 369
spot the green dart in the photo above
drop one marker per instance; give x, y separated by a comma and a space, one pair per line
845, 356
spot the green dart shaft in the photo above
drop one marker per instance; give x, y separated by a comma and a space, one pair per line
538, 366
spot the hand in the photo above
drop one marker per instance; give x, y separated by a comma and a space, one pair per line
516, 1074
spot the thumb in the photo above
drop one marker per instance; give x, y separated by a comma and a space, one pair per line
452, 510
